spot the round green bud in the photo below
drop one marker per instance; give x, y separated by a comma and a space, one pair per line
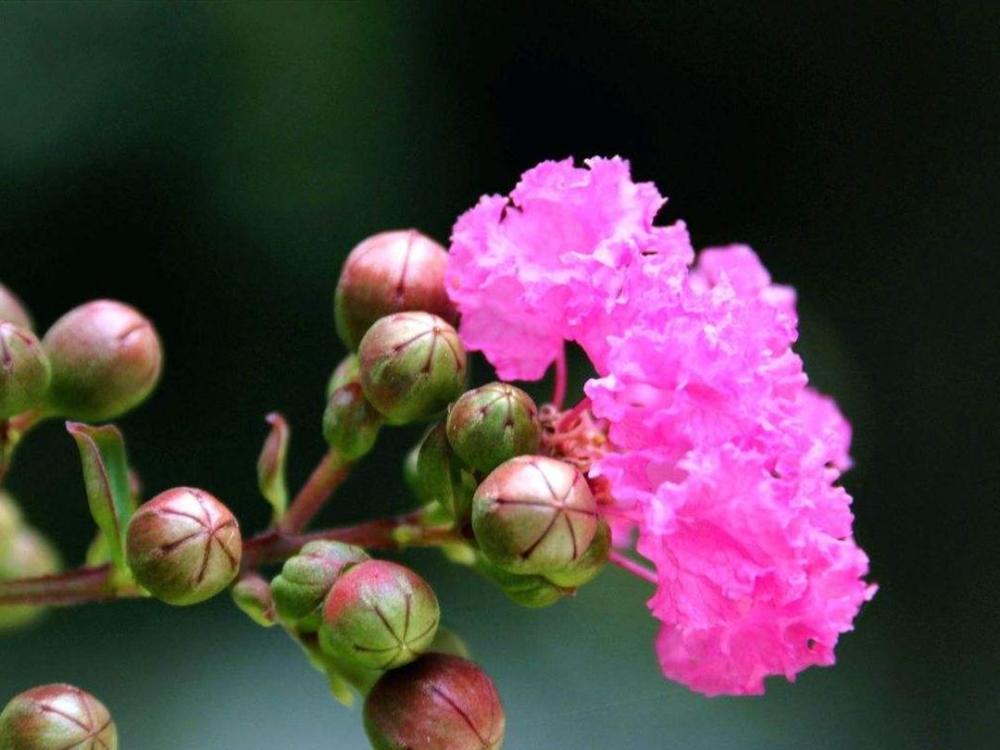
439, 702
12, 310
388, 273
345, 373
492, 424
590, 563
57, 717
534, 514
412, 366
25, 554
379, 615
305, 580
24, 370
532, 591
184, 546
350, 423
106, 359
442, 476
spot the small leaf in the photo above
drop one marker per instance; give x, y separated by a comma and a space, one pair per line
105, 474
271, 465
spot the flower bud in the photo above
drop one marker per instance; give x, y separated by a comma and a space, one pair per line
412, 366
350, 423
345, 373
439, 702
106, 360
534, 514
492, 424
379, 615
441, 476
589, 564
25, 554
306, 579
12, 310
388, 273
24, 370
253, 596
184, 546
57, 717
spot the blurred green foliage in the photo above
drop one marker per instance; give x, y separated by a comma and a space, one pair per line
214, 163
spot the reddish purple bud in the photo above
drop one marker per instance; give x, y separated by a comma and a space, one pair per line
57, 717
412, 366
379, 615
106, 359
388, 273
438, 702
534, 514
24, 370
12, 310
184, 546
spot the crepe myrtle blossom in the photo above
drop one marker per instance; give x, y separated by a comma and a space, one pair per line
535, 268
713, 454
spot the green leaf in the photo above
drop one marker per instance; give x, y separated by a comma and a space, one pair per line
105, 474
271, 465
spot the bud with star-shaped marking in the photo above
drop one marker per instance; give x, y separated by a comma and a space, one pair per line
56, 717
379, 615
439, 702
412, 366
534, 514
184, 546
388, 273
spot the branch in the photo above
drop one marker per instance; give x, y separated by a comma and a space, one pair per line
63, 589
327, 476
97, 584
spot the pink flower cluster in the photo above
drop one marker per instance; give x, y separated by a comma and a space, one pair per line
722, 458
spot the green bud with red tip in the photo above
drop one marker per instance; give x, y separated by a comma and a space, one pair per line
439, 702
184, 546
442, 476
388, 273
25, 372
492, 424
57, 717
379, 615
306, 579
12, 310
412, 366
24, 554
106, 359
534, 514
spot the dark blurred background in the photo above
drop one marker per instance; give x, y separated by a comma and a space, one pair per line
214, 163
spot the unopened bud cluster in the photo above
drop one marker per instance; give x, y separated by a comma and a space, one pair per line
95, 363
